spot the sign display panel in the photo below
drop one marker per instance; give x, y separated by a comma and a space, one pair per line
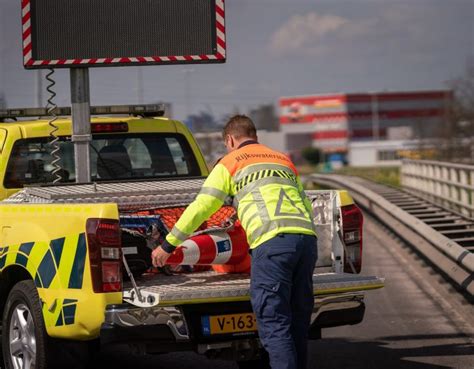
92, 33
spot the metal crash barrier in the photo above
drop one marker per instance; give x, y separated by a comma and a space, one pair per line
453, 260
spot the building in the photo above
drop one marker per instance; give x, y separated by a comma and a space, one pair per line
379, 153
331, 121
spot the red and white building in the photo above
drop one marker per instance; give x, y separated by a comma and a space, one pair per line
330, 121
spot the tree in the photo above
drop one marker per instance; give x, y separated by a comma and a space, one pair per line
265, 118
312, 155
203, 122
3, 101
457, 134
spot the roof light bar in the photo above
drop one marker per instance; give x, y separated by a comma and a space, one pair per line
152, 110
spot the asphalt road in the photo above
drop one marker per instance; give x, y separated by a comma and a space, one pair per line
416, 322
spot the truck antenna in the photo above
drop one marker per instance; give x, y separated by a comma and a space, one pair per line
54, 144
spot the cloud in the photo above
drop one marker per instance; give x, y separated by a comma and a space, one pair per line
412, 32
313, 32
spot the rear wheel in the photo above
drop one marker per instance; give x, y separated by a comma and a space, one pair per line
25, 343
23, 335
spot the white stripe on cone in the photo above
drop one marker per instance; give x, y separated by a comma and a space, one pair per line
191, 252
220, 246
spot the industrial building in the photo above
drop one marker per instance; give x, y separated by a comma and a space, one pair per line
360, 129
332, 122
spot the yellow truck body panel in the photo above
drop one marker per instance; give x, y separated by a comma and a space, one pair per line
49, 241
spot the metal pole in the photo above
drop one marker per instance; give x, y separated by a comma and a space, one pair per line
81, 127
186, 92
39, 88
375, 117
140, 91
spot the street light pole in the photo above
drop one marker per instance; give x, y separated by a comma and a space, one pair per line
140, 92
375, 117
81, 127
39, 88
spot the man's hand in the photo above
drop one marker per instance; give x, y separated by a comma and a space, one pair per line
159, 257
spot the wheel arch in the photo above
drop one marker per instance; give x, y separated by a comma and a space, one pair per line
9, 277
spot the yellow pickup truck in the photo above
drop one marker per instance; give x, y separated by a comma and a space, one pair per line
63, 283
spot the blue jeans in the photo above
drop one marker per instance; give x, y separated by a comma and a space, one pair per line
282, 298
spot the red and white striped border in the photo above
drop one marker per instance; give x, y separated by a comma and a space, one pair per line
28, 60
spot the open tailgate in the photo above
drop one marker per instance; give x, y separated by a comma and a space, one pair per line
211, 287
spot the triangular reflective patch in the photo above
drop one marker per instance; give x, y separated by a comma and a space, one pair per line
283, 196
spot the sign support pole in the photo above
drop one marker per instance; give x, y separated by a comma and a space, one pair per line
81, 126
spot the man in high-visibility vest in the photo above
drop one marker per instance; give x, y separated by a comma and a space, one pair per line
277, 217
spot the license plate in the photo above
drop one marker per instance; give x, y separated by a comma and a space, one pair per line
225, 324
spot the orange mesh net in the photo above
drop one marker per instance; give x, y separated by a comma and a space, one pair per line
170, 216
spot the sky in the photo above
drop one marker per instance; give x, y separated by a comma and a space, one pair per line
277, 48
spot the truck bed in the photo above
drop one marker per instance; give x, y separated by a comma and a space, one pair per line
164, 290
210, 287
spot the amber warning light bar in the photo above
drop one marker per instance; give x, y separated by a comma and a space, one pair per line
153, 110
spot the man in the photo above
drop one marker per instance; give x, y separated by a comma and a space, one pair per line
277, 217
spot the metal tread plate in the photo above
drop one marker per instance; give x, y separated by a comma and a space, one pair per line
211, 287
126, 195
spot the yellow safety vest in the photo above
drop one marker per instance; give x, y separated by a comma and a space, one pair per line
267, 191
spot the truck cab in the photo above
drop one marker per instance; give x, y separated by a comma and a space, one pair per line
122, 148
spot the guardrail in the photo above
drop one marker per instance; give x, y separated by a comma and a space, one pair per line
454, 261
448, 184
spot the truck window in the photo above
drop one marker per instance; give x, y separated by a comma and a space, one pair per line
125, 156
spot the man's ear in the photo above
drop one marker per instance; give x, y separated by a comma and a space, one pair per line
231, 142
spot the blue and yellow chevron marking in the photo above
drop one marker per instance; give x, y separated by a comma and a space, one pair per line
24, 252
77, 272
3, 256
46, 271
68, 313
57, 249
43, 260
49, 242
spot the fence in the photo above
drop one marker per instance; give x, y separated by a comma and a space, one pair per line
447, 184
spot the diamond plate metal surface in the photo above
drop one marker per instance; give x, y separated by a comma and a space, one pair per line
187, 288
128, 196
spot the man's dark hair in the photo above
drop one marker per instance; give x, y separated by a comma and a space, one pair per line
240, 126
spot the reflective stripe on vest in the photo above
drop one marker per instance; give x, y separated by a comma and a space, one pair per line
250, 180
258, 167
181, 236
263, 174
262, 182
218, 194
279, 223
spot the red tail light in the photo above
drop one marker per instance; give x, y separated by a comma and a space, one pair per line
104, 242
109, 127
352, 221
